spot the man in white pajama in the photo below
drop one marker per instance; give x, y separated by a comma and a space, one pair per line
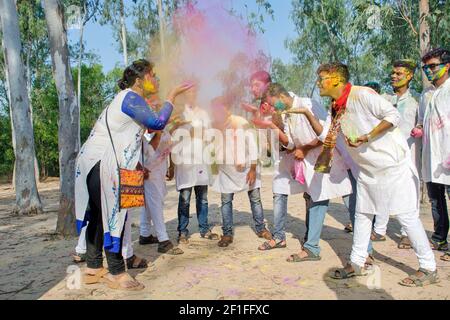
401, 77
157, 148
387, 182
433, 127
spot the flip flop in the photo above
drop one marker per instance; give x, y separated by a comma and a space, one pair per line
404, 243
296, 258
266, 246
342, 273
445, 257
141, 265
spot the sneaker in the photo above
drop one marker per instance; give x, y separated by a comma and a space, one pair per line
148, 240
265, 234
439, 246
183, 239
210, 236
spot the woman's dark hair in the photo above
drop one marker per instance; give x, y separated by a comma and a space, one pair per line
137, 69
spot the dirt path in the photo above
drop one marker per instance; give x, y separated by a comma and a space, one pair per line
34, 262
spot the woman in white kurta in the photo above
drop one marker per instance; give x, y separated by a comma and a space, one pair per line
121, 124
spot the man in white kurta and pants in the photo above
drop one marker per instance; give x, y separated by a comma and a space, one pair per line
407, 105
304, 142
387, 182
434, 125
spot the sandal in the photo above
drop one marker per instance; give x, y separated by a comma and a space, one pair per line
131, 263
404, 243
439, 246
183, 239
264, 234
210, 236
296, 257
445, 257
168, 248
94, 278
428, 277
266, 245
375, 237
79, 257
148, 240
369, 262
120, 284
348, 228
225, 241
343, 273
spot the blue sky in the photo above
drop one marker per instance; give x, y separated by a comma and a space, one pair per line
99, 39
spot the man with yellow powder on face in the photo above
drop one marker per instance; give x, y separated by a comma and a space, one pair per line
434, 128
401, 76
387, 181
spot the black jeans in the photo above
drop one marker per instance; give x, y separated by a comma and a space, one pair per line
436, 193
94, 231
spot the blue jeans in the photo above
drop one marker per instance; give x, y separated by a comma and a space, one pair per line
227, 211
350, 203
315, 216
280, 202
201, 201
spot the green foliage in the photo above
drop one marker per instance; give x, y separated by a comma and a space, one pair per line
340, 30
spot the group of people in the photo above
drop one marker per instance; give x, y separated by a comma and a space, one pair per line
369, 149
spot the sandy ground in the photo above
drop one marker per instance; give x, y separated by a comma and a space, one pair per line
36, 264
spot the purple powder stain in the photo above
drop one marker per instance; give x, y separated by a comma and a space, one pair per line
232, 292
200, 172
290, 281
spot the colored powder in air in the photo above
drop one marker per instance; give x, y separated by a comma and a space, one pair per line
205, 43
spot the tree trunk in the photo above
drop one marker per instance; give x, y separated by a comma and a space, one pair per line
80, 60
28, 72
27, 196
162, 30
68, 126
124, 33
424, 35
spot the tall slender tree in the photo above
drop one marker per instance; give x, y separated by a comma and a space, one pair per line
69, 116
27, 196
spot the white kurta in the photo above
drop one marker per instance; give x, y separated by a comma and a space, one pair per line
127, 137
156, 163
299, 131
408, 107
229, 179
387, 182
191, 169
434, 115
283, 180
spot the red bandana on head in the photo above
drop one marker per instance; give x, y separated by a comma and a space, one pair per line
341, 102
